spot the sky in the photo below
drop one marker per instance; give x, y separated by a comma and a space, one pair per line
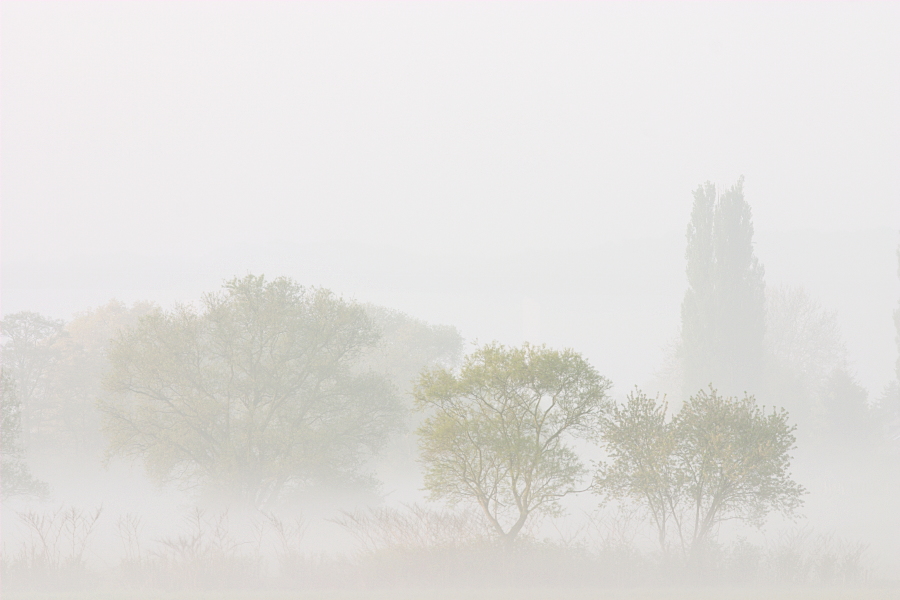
523, 171
515, 169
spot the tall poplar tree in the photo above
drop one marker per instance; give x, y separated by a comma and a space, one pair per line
723, 313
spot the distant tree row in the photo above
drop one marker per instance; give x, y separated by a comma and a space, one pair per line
15, 475
221, 397
723, 312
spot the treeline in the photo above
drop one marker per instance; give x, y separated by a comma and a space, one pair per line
266, 389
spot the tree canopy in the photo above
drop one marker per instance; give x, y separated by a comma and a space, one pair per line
499, 431
256, 391
57, 368
718, 458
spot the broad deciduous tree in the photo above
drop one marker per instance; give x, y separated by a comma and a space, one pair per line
257, 391
15, 476
897, 325
499, 431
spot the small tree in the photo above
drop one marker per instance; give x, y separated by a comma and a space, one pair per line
498, 431
719, 458
734, 459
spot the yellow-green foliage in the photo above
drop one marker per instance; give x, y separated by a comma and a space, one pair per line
498, 431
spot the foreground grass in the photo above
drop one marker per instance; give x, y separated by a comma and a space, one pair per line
680, 593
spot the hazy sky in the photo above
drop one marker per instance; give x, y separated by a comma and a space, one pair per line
144, 142
177, 128
520, 170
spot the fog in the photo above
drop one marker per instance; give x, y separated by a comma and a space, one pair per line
465, 179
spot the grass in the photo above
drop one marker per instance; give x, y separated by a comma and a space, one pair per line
701, 593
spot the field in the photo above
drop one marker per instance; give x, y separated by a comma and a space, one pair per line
705, 593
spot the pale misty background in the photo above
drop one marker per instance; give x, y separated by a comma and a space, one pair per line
452, 161
522, 172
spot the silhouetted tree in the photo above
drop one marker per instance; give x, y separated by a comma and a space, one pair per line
498, 433
723, 312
